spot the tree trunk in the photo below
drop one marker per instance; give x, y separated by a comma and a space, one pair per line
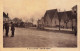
59, 25
72, 25
66, 26
51, 23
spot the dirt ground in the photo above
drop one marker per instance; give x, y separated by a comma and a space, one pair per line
27, 37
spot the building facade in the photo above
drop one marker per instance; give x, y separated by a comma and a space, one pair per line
5, 17
52, 18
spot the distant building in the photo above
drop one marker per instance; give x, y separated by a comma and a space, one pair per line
28, 24
53, 17
40, 23
5, 17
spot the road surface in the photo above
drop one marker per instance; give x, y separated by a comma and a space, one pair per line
31, 37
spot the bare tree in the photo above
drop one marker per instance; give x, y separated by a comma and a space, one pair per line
32, 19
17, 20
66, 20
59, 18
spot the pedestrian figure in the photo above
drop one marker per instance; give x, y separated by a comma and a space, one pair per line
12, 29
3, 26
72, 28
75, 30
6, 28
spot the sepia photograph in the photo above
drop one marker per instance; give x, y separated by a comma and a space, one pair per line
40, 23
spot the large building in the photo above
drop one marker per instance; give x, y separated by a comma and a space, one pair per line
51, 18
55, 18
5, 17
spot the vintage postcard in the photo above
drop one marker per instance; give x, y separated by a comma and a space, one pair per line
39, 25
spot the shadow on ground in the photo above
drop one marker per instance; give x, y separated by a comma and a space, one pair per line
56, 31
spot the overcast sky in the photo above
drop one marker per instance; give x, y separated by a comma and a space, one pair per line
26, 9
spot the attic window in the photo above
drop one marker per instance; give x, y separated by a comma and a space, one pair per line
74, 11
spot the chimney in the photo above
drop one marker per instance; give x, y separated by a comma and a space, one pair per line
58, 10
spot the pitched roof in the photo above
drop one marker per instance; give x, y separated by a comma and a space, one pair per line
4, 15
69, 13
51, 13
74, 7
60, 14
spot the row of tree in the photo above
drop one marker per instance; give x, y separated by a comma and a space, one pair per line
20, 23
66, 19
